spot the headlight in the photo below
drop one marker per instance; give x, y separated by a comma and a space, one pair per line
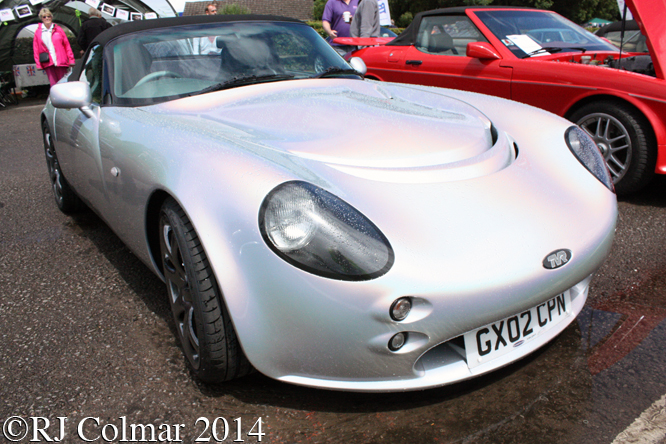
587, 152
320, 233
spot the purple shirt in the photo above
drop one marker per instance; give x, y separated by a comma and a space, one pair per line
333, 14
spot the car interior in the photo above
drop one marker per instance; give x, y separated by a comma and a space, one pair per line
446, 35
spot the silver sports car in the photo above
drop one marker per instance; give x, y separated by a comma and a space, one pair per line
326, 230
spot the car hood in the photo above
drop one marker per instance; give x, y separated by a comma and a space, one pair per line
651, 16
348, 123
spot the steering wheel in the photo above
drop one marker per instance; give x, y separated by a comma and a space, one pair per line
157, 75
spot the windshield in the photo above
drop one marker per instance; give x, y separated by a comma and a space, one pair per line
167, 63
535, 33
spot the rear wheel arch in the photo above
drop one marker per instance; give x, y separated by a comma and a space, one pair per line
65, 197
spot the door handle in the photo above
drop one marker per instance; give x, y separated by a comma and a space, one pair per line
414, 62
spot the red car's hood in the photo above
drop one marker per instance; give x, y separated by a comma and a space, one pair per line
651, 16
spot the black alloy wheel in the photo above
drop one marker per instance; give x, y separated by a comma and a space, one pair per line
203, 325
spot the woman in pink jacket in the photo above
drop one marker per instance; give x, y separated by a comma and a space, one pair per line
51, 39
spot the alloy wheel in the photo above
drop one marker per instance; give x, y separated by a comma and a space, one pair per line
180, 294
53, 166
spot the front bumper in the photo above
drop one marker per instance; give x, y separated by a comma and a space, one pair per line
446, 363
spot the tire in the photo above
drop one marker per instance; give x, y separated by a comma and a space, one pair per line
625, 139
66, 199
203, 325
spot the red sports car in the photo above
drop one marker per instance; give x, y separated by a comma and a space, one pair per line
540, 58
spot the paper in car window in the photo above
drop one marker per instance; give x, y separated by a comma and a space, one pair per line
528, 45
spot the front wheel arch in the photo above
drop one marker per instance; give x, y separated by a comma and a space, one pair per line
152, 223
201, 319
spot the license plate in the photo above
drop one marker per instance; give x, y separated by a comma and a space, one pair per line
499, 338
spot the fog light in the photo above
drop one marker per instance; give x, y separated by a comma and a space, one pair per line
400, 309
397, 341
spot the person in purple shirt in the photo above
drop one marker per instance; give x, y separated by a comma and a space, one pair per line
336, 21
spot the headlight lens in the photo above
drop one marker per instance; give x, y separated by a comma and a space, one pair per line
587, 152
320, 233
292, 220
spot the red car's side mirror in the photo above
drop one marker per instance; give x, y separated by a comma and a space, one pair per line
482, 50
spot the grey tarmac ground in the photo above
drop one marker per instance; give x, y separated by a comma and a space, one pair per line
86, 332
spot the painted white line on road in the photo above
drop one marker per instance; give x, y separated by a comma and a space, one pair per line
649, 428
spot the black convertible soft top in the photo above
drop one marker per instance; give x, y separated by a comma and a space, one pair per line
142, 25
631, 25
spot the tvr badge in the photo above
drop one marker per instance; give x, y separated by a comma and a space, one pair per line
557, 259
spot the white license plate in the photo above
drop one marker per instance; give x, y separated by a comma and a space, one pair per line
494, 340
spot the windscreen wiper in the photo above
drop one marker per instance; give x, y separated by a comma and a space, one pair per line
335, 70
243, 80
552, 50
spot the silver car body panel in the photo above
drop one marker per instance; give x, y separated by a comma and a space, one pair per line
469, 222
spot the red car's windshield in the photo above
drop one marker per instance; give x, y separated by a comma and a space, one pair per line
533, 33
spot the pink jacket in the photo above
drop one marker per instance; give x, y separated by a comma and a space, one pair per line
63, 51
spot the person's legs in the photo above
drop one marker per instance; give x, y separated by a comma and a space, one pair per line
55, 73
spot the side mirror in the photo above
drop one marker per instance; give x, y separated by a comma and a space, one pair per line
70, 95
482, 51
358, 64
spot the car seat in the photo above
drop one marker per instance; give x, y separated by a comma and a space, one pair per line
441, 42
